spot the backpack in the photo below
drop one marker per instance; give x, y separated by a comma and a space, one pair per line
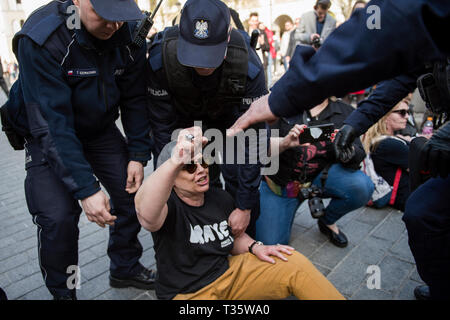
382, 188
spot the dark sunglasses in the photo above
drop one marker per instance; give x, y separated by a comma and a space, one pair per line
192, 167
402, 112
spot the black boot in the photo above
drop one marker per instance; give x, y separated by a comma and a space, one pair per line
422, 292
144, 280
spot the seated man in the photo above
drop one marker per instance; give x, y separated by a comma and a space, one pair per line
304, 166
193, 240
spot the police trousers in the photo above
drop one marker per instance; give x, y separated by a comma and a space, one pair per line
427, 219
56, 212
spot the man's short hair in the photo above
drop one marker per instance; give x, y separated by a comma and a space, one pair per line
324, 4
254, 14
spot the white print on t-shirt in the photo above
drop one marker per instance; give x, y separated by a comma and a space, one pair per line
208, 233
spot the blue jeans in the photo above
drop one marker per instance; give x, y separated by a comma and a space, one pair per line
348, 189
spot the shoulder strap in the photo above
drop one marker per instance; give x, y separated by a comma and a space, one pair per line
175, 72
41, 24
398, 175
235, 71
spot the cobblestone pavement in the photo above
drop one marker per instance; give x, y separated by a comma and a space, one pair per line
376, 237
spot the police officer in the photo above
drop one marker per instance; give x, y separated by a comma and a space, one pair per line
426, 213
409, 33
205, 70
73, 78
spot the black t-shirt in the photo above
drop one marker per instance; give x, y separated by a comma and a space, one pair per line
193, 245
390, 154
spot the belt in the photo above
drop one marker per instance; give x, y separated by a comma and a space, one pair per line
291, 190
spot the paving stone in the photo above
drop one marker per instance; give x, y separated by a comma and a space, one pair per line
324, 270
356, 231
390, 229
302, 245
352, 215
100, 249
93, 239
415, 276
329, 255
401, 249
40, 293
304, 219
365, 293
120, 294
372, 216
85, 257
13, 262
95, 268
145, 296
314, 236
348, 276
148, 258
146, 241
4, 280
94, 287
393, 272
371, 250
24, 286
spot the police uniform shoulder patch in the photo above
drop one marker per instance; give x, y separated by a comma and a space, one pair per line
201, 30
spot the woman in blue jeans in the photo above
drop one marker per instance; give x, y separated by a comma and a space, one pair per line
302, 166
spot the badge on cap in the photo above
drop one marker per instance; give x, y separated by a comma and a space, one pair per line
201, 29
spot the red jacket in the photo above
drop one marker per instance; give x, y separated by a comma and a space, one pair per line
269, 34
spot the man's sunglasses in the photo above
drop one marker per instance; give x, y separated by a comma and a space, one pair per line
192, 167
403, 112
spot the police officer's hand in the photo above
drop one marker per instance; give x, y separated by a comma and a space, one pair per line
435, 160
238, 221
259, 111
97, 209
343, 143
135, 176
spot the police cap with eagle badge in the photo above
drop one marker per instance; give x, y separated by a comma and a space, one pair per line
204, 33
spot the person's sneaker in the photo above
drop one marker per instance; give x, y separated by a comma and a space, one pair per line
422, 292
144, 280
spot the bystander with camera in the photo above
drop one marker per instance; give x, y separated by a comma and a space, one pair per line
310, 171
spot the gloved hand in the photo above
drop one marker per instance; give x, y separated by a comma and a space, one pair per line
435, 160
343, 143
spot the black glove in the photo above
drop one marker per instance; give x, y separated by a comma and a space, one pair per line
343, 143
435, 160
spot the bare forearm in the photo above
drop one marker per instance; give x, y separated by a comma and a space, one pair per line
152, 197
277, 146
241, 244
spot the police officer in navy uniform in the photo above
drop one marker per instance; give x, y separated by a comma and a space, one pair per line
73, 79
411, 35
204, 70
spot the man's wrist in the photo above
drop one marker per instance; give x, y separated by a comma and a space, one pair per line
144, 163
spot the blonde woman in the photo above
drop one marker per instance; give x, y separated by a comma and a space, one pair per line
390, 154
